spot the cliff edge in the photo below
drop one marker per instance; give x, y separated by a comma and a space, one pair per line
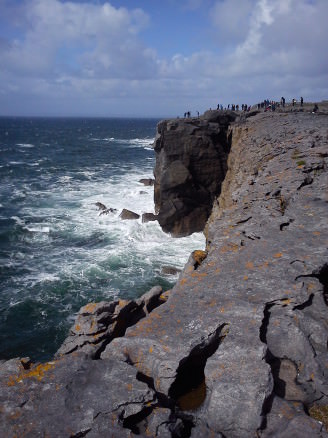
238, 348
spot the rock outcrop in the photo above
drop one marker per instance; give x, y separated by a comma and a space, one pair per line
129, 215
239, 349
191, 162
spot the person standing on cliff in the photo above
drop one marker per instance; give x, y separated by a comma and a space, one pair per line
301, 101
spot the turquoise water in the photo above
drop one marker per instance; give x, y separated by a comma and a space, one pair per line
56, 252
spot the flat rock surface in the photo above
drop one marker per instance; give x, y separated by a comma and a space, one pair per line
239, 349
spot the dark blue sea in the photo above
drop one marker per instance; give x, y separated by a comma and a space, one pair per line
56, 252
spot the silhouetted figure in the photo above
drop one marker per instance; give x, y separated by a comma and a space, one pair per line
301, 101
315, 108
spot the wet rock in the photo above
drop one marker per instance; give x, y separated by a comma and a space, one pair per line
147, 181
103, 209
149, 217
128, 214
170, 270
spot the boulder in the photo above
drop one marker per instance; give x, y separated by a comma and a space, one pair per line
147, 181
149, 217
128, 214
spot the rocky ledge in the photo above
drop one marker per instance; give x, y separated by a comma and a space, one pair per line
238, 348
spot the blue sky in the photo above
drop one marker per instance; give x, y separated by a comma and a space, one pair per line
158, 57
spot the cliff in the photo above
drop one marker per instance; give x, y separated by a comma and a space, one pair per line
191, 162
238, 348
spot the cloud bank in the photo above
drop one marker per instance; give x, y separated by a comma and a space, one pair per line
91, 58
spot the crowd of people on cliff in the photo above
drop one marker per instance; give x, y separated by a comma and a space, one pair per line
265, 105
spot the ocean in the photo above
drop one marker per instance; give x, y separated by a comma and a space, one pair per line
57, 252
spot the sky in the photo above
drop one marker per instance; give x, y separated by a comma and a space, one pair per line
158, 58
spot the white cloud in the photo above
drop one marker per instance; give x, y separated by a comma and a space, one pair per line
91, 55
62, 35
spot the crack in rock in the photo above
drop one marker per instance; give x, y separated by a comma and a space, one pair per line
190, 377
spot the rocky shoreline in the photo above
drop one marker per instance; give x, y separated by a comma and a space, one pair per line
238, 348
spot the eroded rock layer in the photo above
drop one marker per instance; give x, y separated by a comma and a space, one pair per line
239, 346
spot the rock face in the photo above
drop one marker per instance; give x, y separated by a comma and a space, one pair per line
239, 349
191, 156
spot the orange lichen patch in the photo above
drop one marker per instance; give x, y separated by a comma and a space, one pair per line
199, 256
310, 286
230, 247
277, 255
122, 303
320, 413
316, 233
183, 281
276, 323
198, 274
38, 372
129, 386
296, 319
89, 308
287, 412
245, 277
264, 265
221, 309
217, 270
164, 296
212, 303
287, 292
286, 301
150, 349
249, 265
77, 327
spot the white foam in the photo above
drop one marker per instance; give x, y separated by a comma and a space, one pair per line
135, 142
25, 145
38, 229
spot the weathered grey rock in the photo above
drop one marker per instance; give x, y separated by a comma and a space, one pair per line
98, 323
71, 397
128, 214
191, 157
